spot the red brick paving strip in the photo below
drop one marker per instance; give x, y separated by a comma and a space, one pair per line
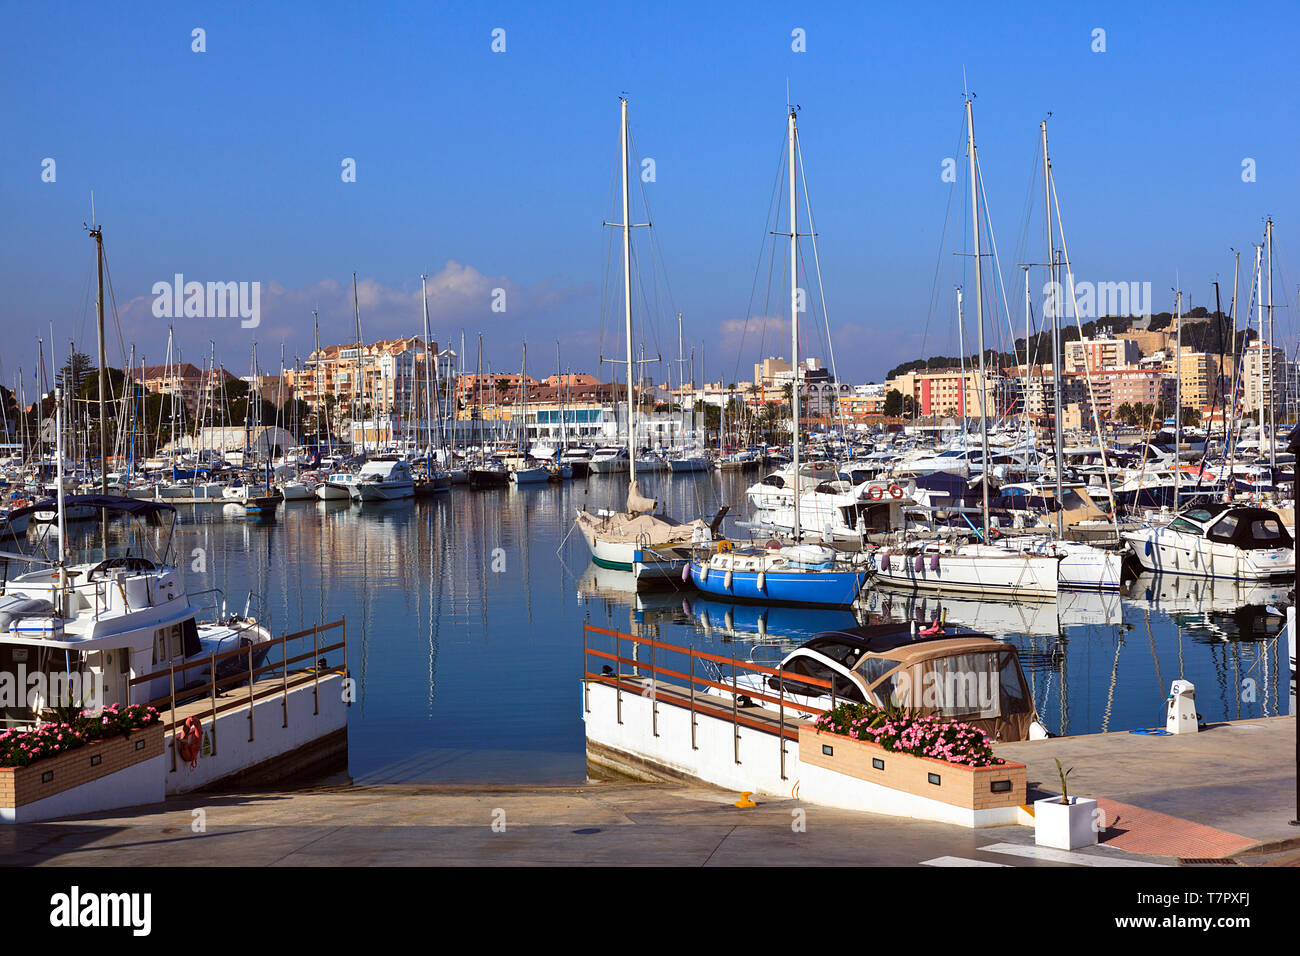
1159, 834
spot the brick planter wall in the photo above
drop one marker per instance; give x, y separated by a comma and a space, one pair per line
20, 786
970, 788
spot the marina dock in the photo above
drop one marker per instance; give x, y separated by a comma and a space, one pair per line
617, 821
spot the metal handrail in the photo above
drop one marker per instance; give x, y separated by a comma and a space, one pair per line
654, 669
238, 651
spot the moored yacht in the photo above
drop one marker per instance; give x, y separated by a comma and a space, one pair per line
897, 665
383, 479
111, 621
1221, 541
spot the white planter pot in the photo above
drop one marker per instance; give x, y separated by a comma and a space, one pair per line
1066, 826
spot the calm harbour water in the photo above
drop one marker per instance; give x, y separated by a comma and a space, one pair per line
465, 613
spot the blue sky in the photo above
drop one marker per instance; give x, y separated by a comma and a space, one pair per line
493, 170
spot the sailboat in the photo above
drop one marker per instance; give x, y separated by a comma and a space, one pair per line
636, 539
524, 469
983, 567
797, 573
435, 479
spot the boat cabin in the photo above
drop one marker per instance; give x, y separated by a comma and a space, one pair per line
954, 673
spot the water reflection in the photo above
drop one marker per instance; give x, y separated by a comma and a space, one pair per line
465, 612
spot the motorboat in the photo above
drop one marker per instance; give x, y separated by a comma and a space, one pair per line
942, 670
110, 622
608, 461
383, 479
337, 486
1219, 540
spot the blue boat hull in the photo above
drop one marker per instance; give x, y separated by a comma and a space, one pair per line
789, 623
816, 588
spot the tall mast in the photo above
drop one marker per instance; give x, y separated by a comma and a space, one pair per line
627, 292
1272, 381
1236, 275
979, 310
1178, 395
794, 318
961, 354
1024, 389
1259, 313
58, 471
428, 378
358, 398
98, 235
1054, 300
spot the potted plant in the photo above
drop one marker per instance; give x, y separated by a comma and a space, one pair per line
1065, 822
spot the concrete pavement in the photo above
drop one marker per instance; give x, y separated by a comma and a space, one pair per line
613, 823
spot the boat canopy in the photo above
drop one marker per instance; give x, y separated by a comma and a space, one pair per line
1251, 529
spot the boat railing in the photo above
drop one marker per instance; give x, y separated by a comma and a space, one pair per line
219, 606
242, 669
691, 675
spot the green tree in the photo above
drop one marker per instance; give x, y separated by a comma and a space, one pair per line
75, 371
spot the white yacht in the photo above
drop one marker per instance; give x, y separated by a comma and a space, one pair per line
608, 461
111, 622
1219, 541
383, 479
336, 487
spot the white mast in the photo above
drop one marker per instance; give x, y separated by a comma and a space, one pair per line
1272, 378
428, 378
1024, 389
58, 471
1259, 313
627, 293
961, 351
1236, 275
1178, 396
1057, 435
979, 309
794, 319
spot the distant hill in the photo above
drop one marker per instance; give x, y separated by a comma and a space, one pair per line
1201, 333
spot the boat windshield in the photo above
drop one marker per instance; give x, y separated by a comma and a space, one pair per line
974, 685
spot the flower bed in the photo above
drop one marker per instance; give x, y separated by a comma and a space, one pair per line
918, 756
20, 748
903, 732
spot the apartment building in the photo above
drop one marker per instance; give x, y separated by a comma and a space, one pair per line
948, 392
1100, 352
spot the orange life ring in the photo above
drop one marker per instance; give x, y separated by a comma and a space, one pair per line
875, 493
895, 491
189, 741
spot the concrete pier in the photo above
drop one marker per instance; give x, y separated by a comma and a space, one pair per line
1233, 779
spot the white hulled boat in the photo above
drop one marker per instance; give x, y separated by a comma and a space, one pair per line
1219, 541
